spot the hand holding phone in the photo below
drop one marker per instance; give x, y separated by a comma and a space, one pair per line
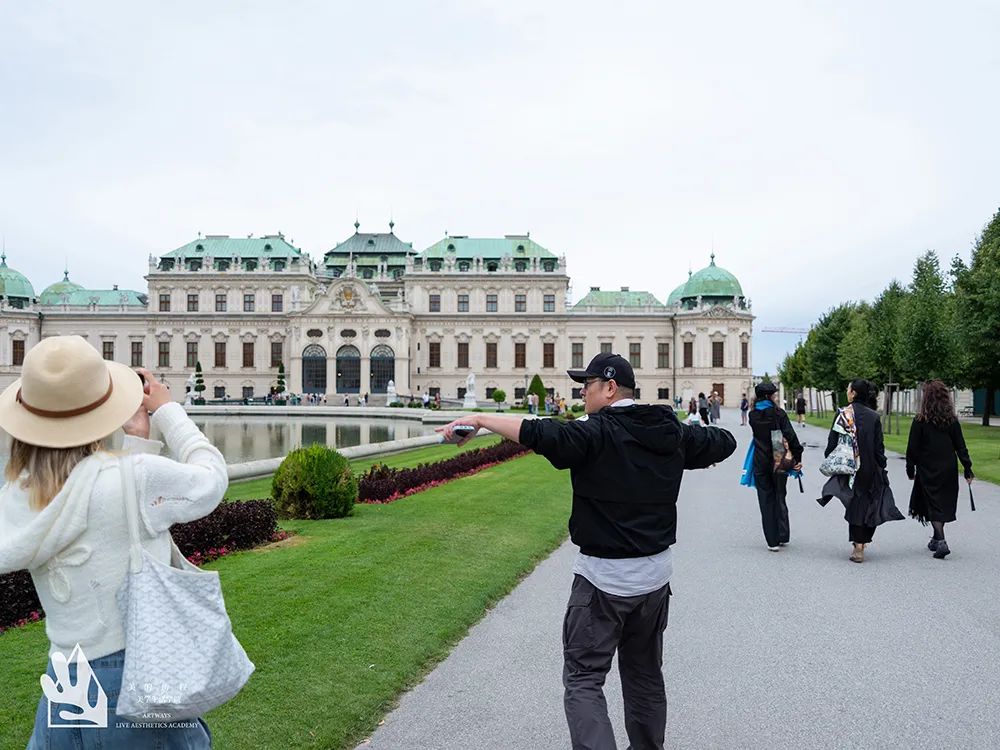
460, 432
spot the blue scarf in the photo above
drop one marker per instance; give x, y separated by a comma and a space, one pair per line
747, 478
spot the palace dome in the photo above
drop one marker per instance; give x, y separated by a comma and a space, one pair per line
53, 293
13, 283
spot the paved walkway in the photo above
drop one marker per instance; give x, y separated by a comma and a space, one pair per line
795, 649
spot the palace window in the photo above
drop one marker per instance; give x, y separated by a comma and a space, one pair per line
605, 347
577, 352
192, 303
463, 354
549, 266
248, 302
435, 303
689, 354
635, 354
663, 356
163, 354
520, 356
549, 303
277, 355
548, 354
220, 353
491, 353
434, 354
136, 354
520, 266
191, 355
219, 391
220, 302
463, 303
576, 393
718, 353
491, 303
108, 350
520, 302
663, 394
277, 302
744, 355
248, 354
164, 302
17, 352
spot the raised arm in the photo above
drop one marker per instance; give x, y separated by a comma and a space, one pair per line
704, 446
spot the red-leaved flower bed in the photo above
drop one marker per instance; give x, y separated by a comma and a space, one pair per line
230, 527
382, 484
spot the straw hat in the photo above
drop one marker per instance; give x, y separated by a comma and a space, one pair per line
68, 395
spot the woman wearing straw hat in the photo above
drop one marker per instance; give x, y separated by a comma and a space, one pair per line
62, 518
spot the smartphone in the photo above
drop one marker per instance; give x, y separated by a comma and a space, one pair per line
460, 432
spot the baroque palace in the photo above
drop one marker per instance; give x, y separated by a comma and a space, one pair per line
376, 311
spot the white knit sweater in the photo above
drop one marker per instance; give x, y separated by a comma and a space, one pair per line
77, 547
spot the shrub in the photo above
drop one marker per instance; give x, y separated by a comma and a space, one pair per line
538, 388
18, 600
396, 404
577, 408
415, 404
314, 482
499, 395
381, 484
231, 526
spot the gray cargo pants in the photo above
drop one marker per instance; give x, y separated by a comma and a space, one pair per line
596, 625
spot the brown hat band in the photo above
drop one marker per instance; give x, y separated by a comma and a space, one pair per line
68, 412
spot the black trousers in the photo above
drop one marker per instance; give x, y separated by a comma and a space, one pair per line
860, 534
703, 413
598, 624
771, 493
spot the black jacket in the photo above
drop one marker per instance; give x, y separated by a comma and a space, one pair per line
626, 464
930, 461
762, 422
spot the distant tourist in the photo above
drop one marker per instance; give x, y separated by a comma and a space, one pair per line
865, 493
744, 408
763, 470
703, 407
935, 442
800, 409
427, 399
62, 517
716, 406
437, 400
626, 463
693, 406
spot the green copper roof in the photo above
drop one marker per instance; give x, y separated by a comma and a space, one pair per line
223, 246
14, 283
678, 293
623, 298
363, 244
712, 281
100, 297
513, 245
52, 294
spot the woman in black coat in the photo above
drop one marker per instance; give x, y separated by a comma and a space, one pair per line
868, 501
935, 440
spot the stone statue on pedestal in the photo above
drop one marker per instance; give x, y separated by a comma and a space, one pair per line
390, 394
470, 392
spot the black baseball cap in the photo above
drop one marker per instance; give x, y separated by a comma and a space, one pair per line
606, 367
765, 390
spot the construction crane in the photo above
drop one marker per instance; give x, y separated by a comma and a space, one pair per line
784, 329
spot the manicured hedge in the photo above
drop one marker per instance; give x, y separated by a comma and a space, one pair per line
382, 484
230, 527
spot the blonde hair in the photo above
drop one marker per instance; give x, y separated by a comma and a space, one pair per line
48, 468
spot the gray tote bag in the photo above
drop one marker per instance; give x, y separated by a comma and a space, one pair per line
181, 657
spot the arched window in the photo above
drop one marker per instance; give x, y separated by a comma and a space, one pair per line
383, 368
348, 369
314, 369
520, 266
463, 265
491, 266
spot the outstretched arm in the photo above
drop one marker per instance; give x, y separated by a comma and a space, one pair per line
508, 427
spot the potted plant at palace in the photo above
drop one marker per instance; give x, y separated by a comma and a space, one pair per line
279, 396
199, 385
499, 395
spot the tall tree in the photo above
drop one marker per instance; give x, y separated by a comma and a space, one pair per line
977, 308
925, 341
854, 353
824, 341
884, 330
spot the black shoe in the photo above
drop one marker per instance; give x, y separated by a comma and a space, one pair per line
932, 545
942, 550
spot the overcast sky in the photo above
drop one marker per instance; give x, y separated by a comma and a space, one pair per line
819, 147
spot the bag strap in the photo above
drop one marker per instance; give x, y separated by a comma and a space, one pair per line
131, 512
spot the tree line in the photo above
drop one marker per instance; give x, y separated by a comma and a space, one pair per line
944, 324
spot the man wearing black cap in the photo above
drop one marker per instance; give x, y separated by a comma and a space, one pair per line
626, 462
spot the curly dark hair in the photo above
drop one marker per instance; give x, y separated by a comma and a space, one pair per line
936, 406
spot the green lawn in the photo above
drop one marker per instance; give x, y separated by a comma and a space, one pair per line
346, 615
983, 443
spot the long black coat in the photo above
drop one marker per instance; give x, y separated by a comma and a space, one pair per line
870, 502
762, 422
930, 462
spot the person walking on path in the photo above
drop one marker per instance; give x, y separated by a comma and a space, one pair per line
693, 406
800, 409
62, 517
716, 407
935, 441
761, 471
744, 408
866, 494
626, 462
703, 407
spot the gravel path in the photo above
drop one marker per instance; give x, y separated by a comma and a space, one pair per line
795, 649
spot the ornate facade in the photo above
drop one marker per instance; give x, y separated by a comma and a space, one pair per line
376, 310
